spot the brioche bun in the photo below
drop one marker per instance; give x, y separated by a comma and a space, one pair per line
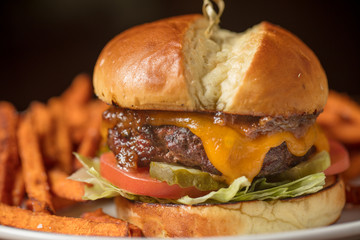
171, 65
250, 217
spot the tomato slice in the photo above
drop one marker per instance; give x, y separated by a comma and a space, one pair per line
339, 158
139, 181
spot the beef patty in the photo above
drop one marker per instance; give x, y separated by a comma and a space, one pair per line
137, 143
169, 144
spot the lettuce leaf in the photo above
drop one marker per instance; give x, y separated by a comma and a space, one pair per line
260, 190
222, 195
306, 185
239, 190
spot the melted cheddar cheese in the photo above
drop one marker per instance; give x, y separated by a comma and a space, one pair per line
230, 151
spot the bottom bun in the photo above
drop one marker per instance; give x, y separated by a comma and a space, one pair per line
176, 220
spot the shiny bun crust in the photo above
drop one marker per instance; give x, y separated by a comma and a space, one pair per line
170, 220
171, 65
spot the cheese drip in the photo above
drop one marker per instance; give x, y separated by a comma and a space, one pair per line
230, 151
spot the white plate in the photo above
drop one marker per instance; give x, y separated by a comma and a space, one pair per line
348, 227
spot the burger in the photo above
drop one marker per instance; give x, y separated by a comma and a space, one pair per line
212, 134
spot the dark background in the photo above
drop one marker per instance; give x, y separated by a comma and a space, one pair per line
45, 43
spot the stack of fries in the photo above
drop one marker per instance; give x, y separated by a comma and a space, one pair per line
341, 121
36, 159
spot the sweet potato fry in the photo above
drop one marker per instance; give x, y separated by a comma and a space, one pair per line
354, 169
99, 216
75, 100
62, 137
65, 188
8, 150
79, 92
91, 141
351, 177
352, 193
346, 133
44, 127
35, 177
21, 218
41, 118
89, 145
18, 190
60, 203
76, 118
341, 118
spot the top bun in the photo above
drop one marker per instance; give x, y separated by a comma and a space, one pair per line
171, 65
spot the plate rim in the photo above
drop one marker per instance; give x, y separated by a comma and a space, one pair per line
335, 231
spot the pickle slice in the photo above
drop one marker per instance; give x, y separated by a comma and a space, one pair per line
318, 163
185, 177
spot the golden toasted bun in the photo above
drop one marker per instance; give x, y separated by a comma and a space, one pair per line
170, 220
171, 65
